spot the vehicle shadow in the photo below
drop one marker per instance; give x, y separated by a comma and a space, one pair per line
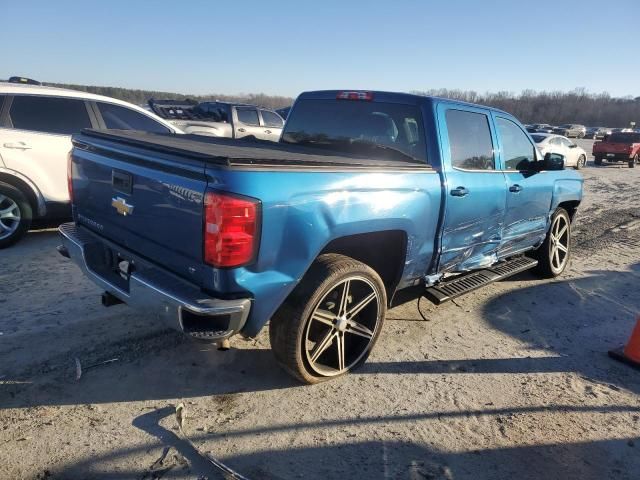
575, 320
366, 459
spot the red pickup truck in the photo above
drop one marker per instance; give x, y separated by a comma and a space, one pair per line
618, 147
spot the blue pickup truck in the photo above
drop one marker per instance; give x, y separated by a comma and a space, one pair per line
365, 194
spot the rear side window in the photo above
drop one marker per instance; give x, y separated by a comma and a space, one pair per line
470, 140
122, 118
380, 130
248, 116
63, 116
271, 119
214, 112
517, 150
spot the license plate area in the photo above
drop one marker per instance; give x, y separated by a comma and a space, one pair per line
611, 154
109, 264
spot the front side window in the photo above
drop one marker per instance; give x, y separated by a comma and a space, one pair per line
564, 142
248, 116
517, 149
470, 140
271, 119
62, 116
122, 118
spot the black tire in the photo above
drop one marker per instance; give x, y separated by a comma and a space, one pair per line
292, 327
634, 160
15, 204
582, 161
580, 135
597, 160
547, 266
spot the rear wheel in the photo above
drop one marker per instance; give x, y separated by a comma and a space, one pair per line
597, 160
15, 215
553, 255
331, 321
634, 160
582, 161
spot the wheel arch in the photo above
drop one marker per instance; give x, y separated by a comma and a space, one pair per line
384, 251
26, 186
571, 206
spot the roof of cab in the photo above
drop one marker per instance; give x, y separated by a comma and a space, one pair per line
394, 97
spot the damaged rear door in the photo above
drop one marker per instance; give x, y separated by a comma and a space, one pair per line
475, 189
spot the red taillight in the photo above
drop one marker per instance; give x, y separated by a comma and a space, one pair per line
70, 176
231, 229
366, 96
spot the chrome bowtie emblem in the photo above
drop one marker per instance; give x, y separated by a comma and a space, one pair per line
121, 206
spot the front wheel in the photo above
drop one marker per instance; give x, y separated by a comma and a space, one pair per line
331, 321
553, 255
582, 161
15, 215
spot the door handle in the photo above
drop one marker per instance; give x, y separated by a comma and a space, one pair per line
267, 131
17, 145
515, 188
459, 192
241, 130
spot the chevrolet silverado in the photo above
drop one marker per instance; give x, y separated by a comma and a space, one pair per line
365, 194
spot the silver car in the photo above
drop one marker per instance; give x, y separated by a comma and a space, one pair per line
574, 156
221, 119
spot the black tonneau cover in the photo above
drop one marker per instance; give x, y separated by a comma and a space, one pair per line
231, 152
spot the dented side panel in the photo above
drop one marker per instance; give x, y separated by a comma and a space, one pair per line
303, 211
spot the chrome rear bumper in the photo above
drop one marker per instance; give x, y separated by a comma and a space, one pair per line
182, 305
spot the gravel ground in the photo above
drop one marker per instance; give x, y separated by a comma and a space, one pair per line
511, 381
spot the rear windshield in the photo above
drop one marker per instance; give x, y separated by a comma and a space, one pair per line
387, 131
624, 138
538, 138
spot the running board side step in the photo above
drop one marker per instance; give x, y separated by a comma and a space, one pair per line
468, 282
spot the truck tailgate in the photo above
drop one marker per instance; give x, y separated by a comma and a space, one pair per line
148, 204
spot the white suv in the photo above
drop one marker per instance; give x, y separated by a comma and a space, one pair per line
36, 124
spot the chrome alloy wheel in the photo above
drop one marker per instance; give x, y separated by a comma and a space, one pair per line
559, 243
342, 327
9, 216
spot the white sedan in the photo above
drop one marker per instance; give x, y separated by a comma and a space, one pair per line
574, 156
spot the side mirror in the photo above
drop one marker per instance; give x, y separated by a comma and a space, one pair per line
573, 145
553, 161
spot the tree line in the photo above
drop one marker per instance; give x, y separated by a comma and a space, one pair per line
141, 97
529, 106
555, 108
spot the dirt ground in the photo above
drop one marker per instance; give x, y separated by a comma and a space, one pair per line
512, 381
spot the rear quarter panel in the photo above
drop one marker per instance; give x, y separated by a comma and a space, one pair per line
302, 211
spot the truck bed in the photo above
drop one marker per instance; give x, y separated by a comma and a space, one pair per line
228, 152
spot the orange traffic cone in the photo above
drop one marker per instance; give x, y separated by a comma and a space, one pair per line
631, 353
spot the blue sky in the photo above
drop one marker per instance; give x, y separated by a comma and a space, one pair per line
285, 47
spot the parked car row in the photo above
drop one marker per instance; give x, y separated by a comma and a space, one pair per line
575, 130
220, 119
36, 124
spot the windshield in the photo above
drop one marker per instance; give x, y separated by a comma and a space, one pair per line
389, 131
624, 138
538, 138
